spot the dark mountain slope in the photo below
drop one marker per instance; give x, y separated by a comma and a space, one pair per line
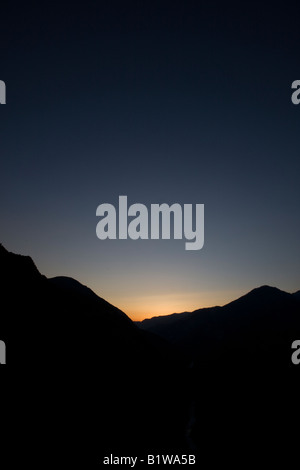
297, 295
86, 382
256, 330
243, 385
89, 371
56, 320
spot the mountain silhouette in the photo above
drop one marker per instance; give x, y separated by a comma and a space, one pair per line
92, 375
53, 318
87, 382
243, 384
256, 330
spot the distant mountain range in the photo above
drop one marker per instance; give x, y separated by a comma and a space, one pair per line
89, 382
255, 330
243, 384
55, 320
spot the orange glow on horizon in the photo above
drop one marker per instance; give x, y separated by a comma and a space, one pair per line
140, 308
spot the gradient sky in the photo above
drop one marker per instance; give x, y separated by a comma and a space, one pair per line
163, 102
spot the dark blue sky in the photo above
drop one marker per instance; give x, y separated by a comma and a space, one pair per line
163, 102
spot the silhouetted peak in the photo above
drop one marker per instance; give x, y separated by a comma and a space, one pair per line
261, 296
17, 266
265, 290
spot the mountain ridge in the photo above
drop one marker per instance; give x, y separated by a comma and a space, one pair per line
82, 369
252, 291
40, 312
247, 329
105, 385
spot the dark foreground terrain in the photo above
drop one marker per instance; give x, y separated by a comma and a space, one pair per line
83, 381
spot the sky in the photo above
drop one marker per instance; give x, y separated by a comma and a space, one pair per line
164, 102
